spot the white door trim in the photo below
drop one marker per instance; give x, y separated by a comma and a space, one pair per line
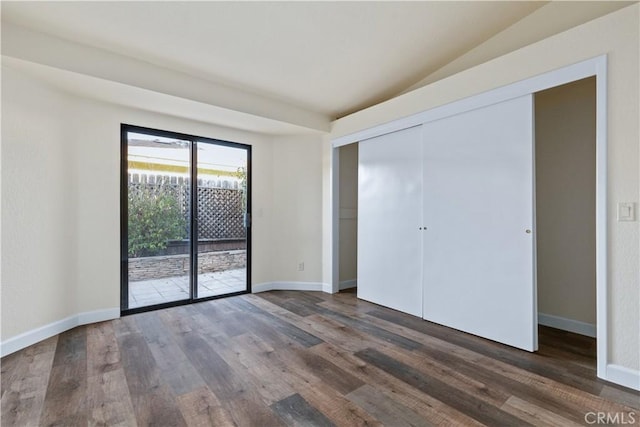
591, 67
602, 258
335, 219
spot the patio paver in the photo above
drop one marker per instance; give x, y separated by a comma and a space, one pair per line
169, 289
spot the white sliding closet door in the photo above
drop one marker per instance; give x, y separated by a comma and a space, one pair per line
479, 214
389, 218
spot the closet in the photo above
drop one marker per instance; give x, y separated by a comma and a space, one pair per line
446, 221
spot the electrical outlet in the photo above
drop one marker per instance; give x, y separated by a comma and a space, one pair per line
301, 266
626, 211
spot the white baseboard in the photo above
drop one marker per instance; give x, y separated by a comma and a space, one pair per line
623, 376
348, 284
33, 336
291, 286
570, 325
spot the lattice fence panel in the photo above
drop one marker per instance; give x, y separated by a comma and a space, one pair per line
221, 210
220, 213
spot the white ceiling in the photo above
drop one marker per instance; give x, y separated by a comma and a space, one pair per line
331, 58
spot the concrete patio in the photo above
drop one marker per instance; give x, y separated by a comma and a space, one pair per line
157, 291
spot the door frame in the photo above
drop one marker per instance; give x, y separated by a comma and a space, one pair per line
597, 67
193, 228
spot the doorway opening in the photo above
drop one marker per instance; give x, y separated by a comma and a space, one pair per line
185, 219
348, 218
565, 169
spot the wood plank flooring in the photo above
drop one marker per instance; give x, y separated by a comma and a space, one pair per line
287, 358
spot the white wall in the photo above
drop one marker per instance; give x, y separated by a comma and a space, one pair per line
61, 210
565, 130
297, 205
618, 36
38, 187
348, 213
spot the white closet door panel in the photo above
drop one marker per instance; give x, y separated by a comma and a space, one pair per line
389, 215
478, 192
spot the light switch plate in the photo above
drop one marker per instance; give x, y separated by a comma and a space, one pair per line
626, 211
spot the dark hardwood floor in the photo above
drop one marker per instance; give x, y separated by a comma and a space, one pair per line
301, 359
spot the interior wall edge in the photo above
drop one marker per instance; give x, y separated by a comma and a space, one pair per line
607, 34
554, 77
32, 46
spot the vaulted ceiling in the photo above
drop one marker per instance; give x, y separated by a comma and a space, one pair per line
326, 59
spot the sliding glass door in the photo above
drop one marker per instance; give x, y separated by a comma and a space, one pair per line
185, 232
158, 186
221, 223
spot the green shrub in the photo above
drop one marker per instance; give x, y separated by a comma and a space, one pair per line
155, 218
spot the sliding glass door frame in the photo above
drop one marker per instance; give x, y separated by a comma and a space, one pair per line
193, 216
